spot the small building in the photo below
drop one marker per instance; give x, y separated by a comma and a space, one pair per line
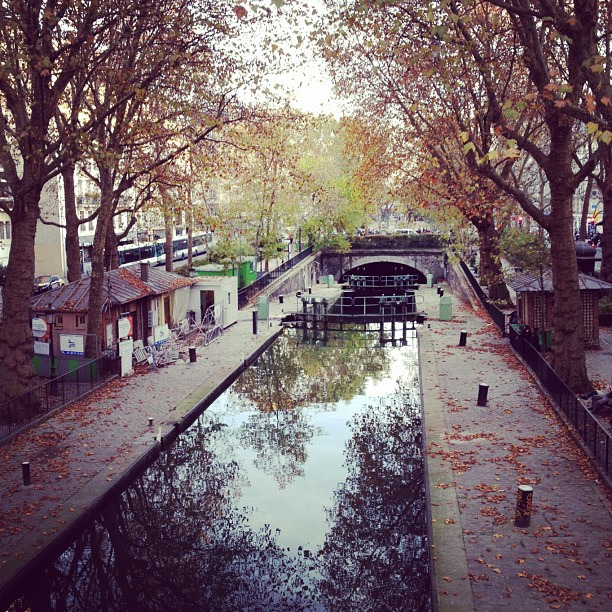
214, 297
535, 300
140, 302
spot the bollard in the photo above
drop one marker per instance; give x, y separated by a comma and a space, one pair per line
192, 354
482, 394
255, 322
25, 469
441, 292
462, 338
524, 500
150, 421
438, 290
309, 290
280, 299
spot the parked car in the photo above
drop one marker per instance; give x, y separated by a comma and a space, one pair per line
46, 282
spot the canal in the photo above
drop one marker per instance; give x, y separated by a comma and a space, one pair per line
300, 488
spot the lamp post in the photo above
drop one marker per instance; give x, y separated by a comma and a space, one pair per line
52, 373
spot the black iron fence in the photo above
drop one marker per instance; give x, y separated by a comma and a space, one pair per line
246, 294
498, 316
596, 439
594, 436
56, 392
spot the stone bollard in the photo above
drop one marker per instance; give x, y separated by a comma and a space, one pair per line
463, 338
482, 394
524, 501
25, 470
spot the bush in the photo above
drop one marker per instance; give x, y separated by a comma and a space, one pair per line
400, 241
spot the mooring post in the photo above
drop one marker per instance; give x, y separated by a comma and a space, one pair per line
524, 500
482, 394
25, 471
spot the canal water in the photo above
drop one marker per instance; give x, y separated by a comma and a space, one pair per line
300, 488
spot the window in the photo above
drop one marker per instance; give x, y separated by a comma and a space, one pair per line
80, 320
1, 230
59, 321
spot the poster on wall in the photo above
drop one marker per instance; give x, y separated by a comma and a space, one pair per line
41, 348
125, 327
72, 344
109, 335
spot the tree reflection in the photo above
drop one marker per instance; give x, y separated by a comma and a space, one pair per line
175, 540
375, 554
287, 377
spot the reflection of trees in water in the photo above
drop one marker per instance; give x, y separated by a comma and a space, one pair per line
174, 540
375, 555
279, 440
290, 374
285, 378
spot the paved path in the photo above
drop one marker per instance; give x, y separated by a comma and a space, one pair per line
476, 458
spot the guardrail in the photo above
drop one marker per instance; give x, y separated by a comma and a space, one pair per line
498, 316
56, 392
401, 281
246, 294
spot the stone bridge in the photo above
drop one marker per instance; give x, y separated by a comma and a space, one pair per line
386, 261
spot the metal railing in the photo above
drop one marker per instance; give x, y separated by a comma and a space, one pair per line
56, 392
498, 316
246, 294
595, 437
401, 281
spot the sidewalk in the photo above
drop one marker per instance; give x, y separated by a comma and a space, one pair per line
476, 458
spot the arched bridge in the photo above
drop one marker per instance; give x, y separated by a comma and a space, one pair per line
386, 261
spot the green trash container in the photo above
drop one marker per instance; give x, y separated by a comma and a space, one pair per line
446, 308
548, 338
429, 280
263, 307
330, 280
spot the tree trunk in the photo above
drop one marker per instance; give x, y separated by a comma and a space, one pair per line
98, 293
16, 345
73, 251
491, 271
568, 334
111, 257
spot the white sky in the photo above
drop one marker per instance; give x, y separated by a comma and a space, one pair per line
299, 75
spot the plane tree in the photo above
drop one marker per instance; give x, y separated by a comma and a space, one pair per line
536, 76
43, 48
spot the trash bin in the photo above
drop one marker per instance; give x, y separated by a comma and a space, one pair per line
446, 308
548, 337
263, 307
330, 280
429, 280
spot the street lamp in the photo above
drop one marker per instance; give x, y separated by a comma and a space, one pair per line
52, 372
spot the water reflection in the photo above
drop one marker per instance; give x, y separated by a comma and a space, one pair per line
301, 488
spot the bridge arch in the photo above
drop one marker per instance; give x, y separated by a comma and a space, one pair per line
420, 262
